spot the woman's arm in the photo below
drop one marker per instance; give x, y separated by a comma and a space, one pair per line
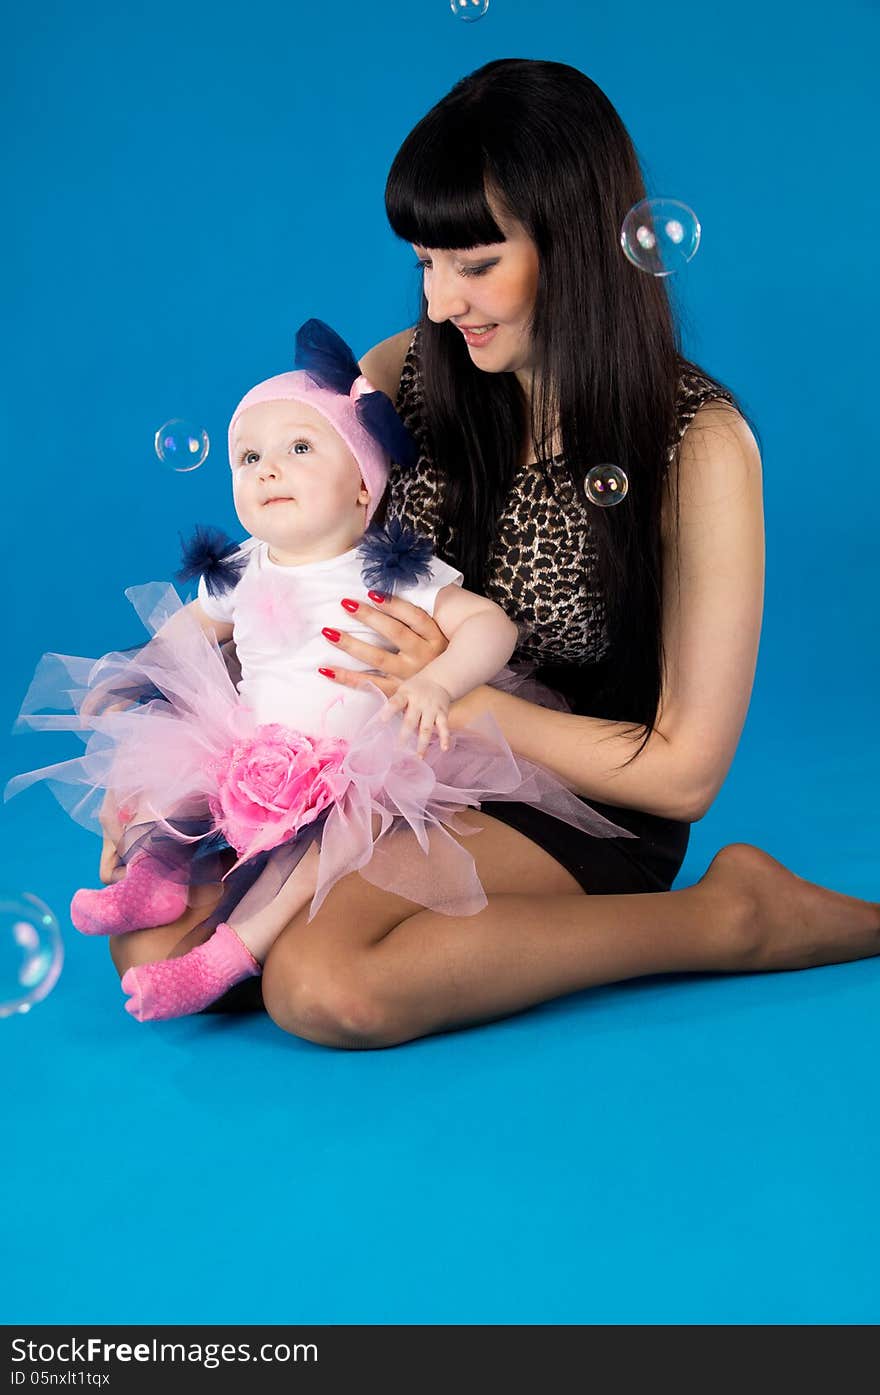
383, 364
712, 622
711, 627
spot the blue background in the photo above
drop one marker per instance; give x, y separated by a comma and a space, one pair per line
184, 187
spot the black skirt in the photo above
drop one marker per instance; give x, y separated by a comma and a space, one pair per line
603, 866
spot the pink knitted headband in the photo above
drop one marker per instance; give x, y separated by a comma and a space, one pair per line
338, 409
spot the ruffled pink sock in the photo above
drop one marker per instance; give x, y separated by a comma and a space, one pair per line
145, 897
175, 987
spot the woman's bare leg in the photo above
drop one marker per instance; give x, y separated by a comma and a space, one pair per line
375, 970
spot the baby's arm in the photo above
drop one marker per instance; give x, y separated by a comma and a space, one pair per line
221, 629
96, 702
112, 824
481, 640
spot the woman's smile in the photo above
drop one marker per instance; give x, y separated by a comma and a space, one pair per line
478, 338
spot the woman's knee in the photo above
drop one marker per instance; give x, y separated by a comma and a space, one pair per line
321, 1002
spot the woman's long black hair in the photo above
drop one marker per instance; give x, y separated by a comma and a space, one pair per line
548, 145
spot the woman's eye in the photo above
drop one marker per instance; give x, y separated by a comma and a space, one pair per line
464, 270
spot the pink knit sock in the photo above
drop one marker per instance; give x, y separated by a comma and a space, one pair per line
175, 987
145, 897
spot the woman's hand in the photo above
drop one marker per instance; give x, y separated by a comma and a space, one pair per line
415, 637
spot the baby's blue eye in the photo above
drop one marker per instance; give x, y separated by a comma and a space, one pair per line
299, 447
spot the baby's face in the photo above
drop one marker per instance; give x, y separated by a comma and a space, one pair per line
295, 483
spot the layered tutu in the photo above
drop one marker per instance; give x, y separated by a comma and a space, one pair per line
193, 775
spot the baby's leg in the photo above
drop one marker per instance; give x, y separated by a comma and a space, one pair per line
235, 951
258, 920
144, 894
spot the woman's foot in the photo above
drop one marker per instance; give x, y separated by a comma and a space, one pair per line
188, 983
143, 899
779, 920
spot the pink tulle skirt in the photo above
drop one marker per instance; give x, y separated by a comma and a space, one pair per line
192, 774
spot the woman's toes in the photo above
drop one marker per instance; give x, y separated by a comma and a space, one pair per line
775, 920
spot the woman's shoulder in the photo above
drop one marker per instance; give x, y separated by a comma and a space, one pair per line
384, 363
699, 392
696, 386
716, 449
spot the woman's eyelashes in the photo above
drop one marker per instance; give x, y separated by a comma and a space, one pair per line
463, 270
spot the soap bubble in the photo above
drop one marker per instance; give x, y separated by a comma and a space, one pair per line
31, 952
182, 445
606, 485
660, 236
468, 10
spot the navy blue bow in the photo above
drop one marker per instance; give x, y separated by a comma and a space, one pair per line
330, 363
209, 553
394, 556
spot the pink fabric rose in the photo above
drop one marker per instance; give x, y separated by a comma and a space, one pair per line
273, 784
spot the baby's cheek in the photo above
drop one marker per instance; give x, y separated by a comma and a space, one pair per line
242, 503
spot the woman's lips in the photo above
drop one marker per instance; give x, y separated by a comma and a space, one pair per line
477, 341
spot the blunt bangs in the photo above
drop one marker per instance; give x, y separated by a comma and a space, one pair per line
435, 194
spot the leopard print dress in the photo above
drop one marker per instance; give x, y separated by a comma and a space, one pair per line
542, 572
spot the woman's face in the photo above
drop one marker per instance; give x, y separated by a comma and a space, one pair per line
491, 288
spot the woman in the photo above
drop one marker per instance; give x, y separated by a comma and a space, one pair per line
540, 353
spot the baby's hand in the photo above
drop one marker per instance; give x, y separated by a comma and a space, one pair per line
426, 705
93, 705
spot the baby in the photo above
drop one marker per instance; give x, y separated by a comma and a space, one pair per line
305, 781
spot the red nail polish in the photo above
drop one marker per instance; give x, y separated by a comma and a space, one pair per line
376, 596
331, 634
350, 606
328, 672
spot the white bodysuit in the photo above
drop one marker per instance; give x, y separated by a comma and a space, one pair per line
277, 614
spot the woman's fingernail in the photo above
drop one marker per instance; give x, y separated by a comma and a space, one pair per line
328, 672
376, 596
331, 634
350, 606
